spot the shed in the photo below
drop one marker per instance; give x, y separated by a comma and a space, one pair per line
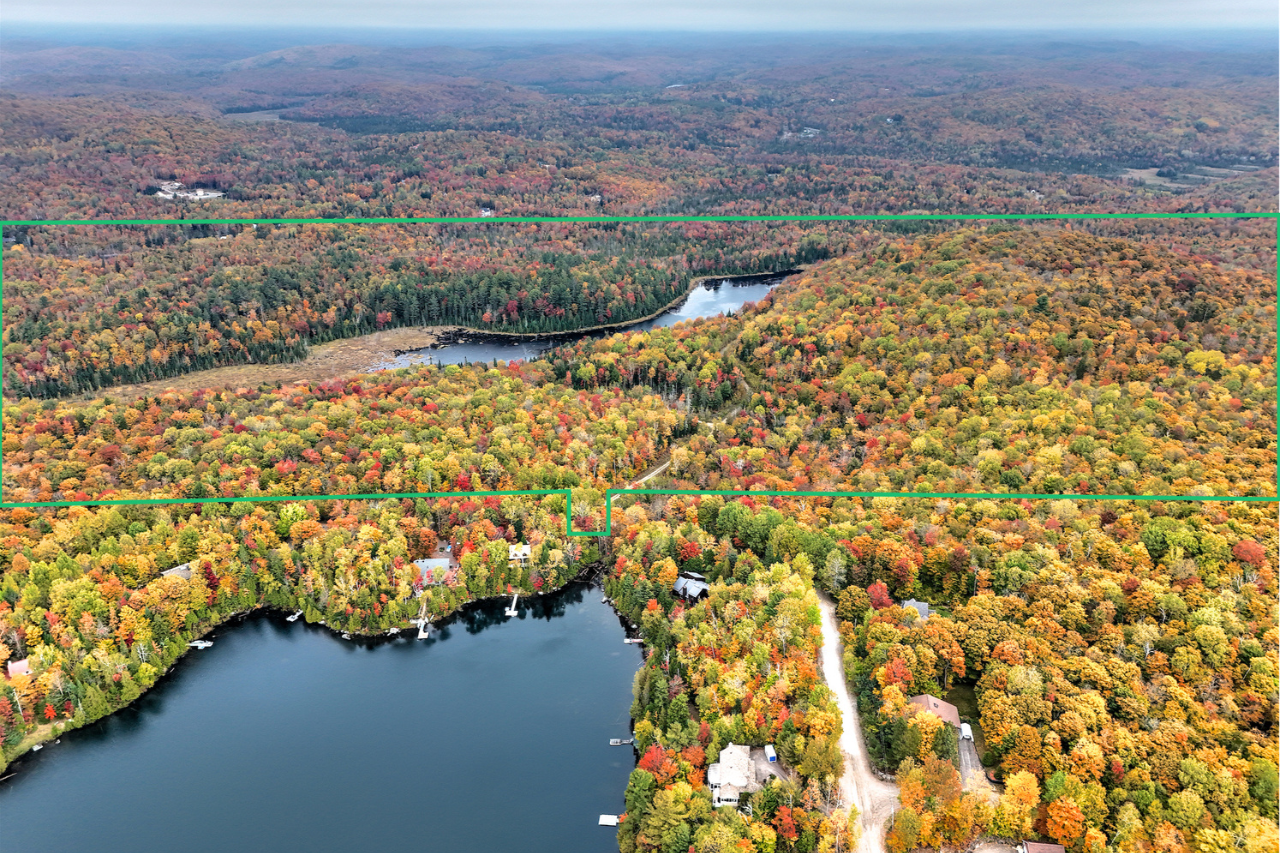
183, 571
945, 710
690, 589
19, 667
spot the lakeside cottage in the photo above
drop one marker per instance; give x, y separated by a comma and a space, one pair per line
432, 571
691, 586
945, 710
19, 667
741, 770
520, 554
731, 776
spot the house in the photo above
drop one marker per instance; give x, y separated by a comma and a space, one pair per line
432, 571
183, 571
920, 607
519, 554
945, 710
732, 775
690, 589
1039, 847
17, 667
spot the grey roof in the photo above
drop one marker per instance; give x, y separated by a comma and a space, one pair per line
182, 571
921, 607
432, 570
689, 588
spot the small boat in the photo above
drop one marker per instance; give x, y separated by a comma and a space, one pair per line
391, 632
200, 644
631, 640
613, 741
294, 617
37, 747
346, 636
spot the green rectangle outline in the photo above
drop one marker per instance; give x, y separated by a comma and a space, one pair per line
611, 493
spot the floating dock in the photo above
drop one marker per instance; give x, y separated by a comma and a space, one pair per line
608, 820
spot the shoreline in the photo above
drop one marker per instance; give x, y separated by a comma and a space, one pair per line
55, 730
369, 353
622, 324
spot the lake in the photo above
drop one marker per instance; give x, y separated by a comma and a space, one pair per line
706, 300
492, 735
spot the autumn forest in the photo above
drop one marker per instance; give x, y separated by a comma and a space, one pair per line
1062, 434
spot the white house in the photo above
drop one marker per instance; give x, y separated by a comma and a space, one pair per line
520, 553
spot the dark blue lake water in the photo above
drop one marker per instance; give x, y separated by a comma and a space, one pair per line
493, 735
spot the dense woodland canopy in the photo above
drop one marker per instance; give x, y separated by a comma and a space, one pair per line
1116, 657
1122, 653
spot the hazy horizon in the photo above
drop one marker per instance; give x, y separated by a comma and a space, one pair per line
728, 16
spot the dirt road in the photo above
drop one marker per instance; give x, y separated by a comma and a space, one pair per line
875, 800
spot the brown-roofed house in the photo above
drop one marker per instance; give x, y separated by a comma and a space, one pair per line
945, 710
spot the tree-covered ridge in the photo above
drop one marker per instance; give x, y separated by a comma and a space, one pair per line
719, 148
261, 295
432, 429
997, 361
740, 667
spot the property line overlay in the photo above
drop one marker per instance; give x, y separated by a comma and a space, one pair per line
498, 220
796, 217
612, 493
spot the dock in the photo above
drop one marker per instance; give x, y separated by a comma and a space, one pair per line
294, 617
511, 611
608, 820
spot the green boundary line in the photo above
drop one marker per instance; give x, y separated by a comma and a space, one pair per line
610, 494
951, 217
497, 220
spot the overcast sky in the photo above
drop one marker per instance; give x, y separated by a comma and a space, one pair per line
651, 15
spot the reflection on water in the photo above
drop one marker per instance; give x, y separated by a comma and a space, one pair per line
283, 736
710, 299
